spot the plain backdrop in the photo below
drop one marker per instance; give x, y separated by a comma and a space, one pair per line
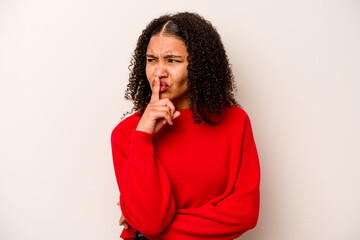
64, 70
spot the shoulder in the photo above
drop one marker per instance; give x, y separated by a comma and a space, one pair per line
235, 119
235, 113
124, 129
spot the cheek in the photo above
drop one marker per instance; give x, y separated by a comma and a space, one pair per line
148, 71
180, 74
184, 75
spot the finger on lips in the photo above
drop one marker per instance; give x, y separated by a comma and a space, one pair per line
162, 104
155, 90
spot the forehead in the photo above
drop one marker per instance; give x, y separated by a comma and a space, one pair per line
161, 44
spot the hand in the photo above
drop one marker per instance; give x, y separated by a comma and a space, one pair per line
158, 112
122, 220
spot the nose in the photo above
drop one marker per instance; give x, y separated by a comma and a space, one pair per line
161, 70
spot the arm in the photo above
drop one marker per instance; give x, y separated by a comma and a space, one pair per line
146, 199
234, 214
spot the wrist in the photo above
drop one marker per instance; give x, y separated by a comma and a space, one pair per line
143, 130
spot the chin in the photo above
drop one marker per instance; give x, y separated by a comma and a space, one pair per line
164, 93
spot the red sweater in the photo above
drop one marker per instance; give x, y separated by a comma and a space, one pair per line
188, 181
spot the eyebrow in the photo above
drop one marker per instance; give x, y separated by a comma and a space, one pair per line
166, 56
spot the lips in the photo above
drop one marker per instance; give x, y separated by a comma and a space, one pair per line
163, 86
162, 83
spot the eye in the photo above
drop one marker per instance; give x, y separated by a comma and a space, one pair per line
151, 60
173, 60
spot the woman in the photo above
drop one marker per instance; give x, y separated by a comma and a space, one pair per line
186, 162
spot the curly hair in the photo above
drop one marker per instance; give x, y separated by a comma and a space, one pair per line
210, 78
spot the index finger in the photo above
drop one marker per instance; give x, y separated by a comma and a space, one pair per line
155, 90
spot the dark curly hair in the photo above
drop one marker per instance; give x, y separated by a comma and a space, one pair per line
210, 79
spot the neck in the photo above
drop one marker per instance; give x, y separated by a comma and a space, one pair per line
181, 103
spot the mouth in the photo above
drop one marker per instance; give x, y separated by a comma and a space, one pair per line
163, 88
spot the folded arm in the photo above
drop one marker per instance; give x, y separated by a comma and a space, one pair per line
146, 198
234, 214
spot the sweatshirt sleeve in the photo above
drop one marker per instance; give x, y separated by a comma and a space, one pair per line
146, 198
234, 214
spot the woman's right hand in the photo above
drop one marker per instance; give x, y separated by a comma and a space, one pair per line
158, 112
122, 220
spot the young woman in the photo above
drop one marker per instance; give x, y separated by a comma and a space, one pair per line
186, 162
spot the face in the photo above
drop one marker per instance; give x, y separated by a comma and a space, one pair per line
166, 58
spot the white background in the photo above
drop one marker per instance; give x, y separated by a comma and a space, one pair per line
63, 72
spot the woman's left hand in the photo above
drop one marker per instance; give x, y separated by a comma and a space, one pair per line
122, 220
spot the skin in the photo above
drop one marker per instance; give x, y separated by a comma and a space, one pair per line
166, 61
122, 220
